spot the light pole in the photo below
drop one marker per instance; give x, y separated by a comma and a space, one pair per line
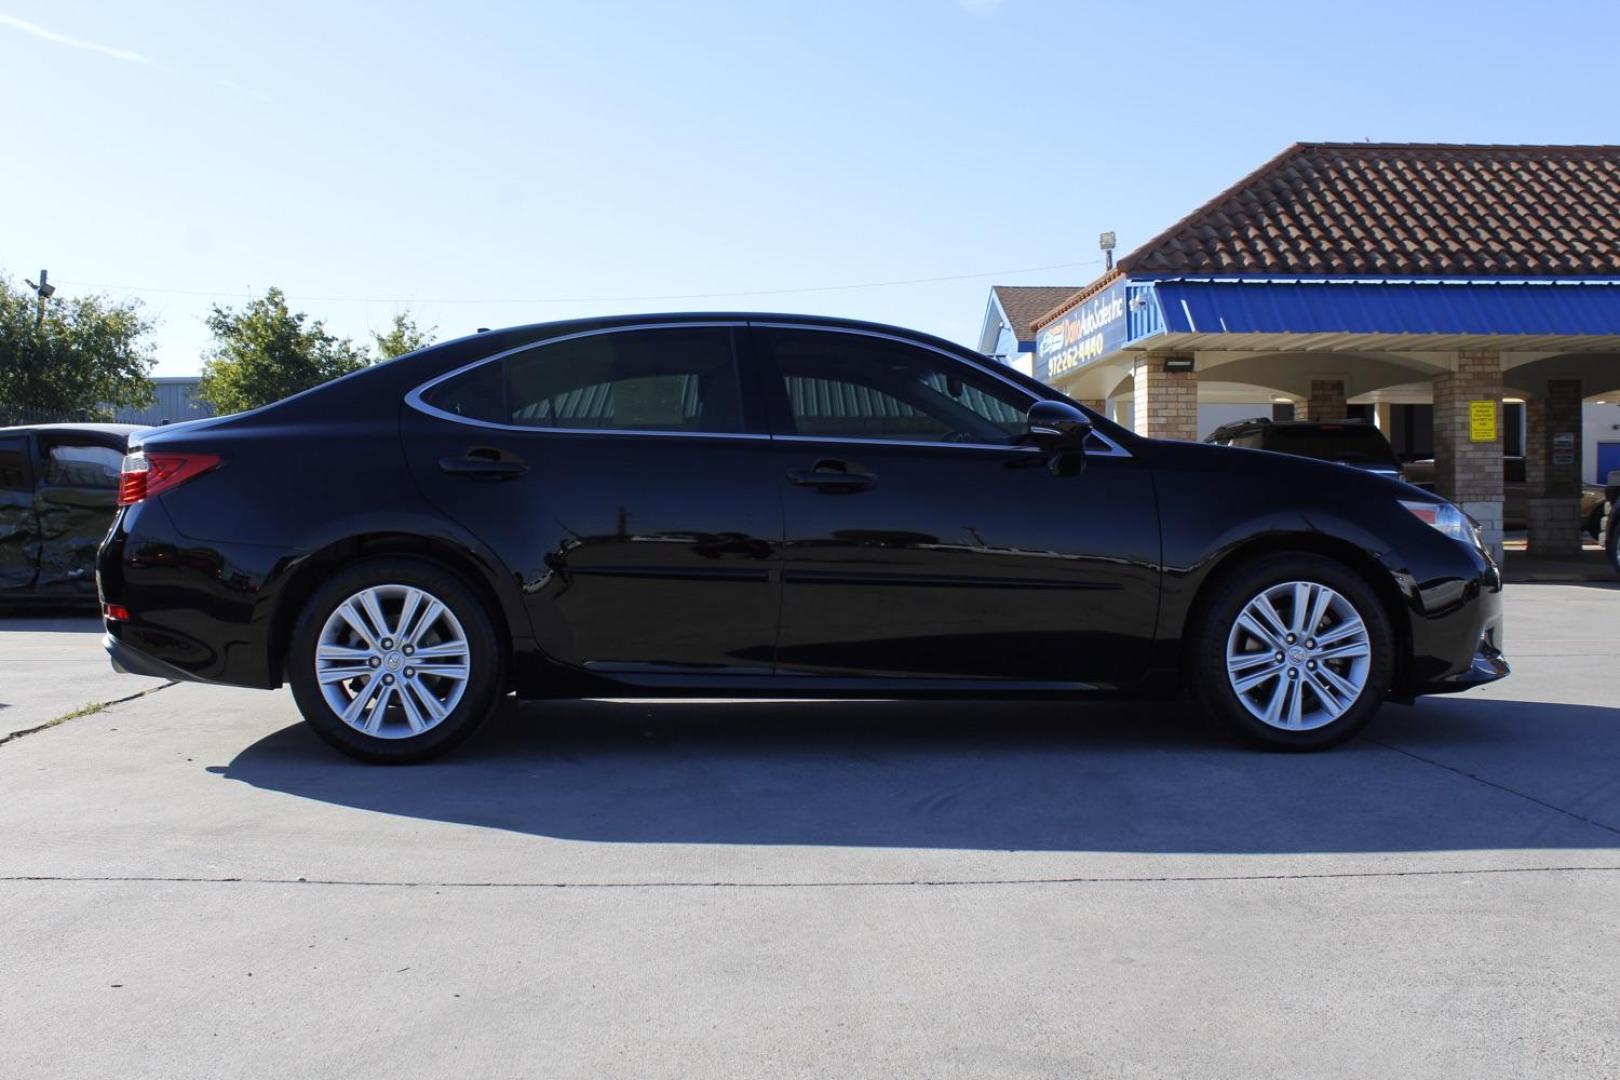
45, 290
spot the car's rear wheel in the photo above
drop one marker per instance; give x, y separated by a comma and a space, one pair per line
395, 660
1294, 652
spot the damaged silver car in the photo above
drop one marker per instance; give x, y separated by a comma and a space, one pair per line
58, 493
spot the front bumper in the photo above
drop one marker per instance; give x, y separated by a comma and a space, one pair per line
1456, 630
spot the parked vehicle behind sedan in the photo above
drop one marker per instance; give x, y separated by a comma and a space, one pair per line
58, 494
758, 505
1355, 443
1516, 494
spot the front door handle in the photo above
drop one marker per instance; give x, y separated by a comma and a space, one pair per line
484, 463
833, 476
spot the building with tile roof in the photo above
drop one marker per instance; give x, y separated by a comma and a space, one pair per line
1464, 278
1009, 318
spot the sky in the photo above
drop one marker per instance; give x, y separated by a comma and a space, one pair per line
495, 163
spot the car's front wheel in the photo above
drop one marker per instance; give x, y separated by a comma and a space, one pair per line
1294, 652
395, 660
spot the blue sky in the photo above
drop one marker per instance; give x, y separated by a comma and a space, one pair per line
494, 163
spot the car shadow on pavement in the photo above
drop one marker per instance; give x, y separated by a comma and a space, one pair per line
1444, 775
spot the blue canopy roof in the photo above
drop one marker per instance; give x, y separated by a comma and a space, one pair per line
1327, 306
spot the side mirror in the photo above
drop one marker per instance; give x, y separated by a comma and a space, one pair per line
1058, 427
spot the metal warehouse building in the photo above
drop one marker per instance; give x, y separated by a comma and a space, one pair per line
175, 400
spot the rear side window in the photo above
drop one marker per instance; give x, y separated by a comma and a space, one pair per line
83, 466
674, 379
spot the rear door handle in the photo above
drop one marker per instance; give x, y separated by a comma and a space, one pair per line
484, 463
833, 476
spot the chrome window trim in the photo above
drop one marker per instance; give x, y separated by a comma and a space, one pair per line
413, 398
853, 440
1114, 449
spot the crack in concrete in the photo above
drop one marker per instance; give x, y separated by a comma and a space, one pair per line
884, 884
1494, 784
89, 709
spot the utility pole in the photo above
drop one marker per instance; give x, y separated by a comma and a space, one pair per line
31, 355
45, 290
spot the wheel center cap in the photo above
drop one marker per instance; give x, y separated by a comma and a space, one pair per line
1296, 655
394, 661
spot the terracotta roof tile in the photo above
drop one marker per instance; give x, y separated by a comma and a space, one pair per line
1386, 209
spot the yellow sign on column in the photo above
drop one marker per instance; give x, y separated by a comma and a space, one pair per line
1482, 421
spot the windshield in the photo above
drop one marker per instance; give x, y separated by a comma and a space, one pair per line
1355, 444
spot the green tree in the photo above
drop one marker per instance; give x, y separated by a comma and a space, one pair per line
266, 352
405, 337
87, 357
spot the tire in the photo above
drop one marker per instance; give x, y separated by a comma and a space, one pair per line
1351, 659
425, 712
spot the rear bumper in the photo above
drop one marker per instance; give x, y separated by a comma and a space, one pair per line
131, 661
199, 611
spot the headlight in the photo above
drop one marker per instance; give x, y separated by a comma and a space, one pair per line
1448, 519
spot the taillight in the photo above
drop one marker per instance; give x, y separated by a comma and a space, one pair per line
115, 612
144, 475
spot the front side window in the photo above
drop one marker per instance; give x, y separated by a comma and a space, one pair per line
83, 466
841, 385
671, 379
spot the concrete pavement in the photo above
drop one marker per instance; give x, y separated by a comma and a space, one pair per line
51, 665
197, 887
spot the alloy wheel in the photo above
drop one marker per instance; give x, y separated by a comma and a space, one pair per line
1298, 656
392, 661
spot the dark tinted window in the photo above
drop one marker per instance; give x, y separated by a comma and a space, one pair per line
853, 386
676, 379
1359, 443
479, 394
14, 465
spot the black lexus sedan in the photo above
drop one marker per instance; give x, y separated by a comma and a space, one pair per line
766, 505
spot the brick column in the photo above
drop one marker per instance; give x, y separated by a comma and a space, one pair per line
1469, 472
1324, 402
1166, 401
1096, 405
1552, 468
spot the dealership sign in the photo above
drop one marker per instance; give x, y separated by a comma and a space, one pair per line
1095, 328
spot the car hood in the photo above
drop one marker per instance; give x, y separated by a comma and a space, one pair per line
1310, 475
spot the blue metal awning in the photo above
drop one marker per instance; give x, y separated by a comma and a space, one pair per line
1274, 306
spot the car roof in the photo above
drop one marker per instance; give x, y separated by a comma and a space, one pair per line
124, 430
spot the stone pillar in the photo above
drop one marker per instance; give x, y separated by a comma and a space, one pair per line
1468, 471
1552, 468
1166, 401
1324, 402
1384, 417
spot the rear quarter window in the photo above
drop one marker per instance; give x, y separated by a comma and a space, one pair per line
478, 394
